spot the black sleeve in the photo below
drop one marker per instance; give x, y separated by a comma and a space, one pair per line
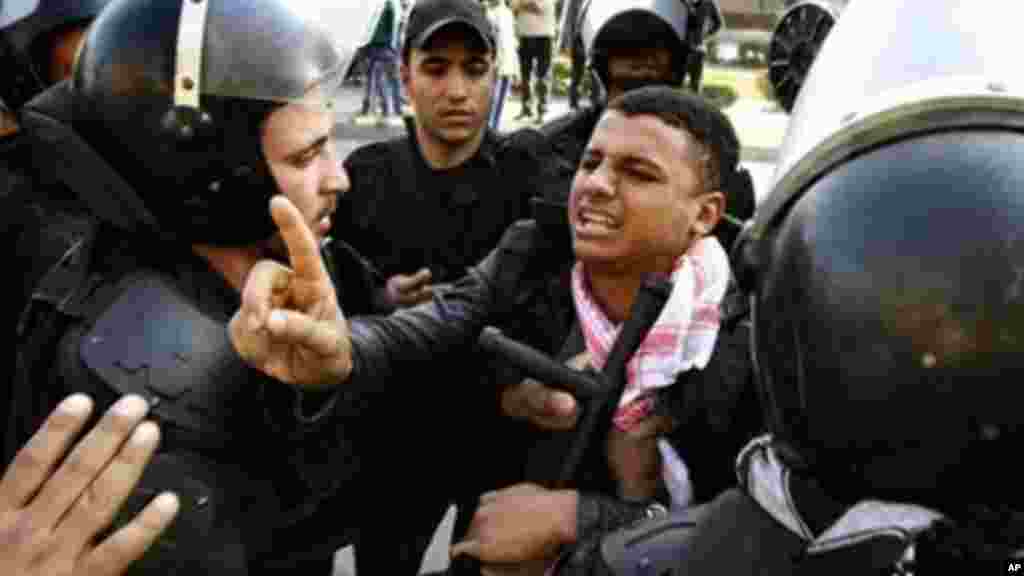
450, 322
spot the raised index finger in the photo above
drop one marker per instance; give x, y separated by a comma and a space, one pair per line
303, 250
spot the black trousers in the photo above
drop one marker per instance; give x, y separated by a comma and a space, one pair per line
535, 56
578, 65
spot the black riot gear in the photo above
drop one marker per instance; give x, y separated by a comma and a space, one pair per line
885, 266
27, 30
173, 94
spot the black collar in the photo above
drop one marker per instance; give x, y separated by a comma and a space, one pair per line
486, 157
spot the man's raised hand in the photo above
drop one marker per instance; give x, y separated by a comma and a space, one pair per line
290, 325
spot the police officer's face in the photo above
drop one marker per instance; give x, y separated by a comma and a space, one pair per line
301, 153
630, 64
449, 84
638, 200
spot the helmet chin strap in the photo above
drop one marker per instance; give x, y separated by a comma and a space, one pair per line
188, 60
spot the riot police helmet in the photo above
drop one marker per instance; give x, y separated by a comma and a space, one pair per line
885, 267
28, 29
173, 94
680, 26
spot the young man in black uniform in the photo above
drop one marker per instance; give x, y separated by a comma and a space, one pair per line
425, 207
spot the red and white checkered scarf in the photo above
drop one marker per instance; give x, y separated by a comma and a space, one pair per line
683, 337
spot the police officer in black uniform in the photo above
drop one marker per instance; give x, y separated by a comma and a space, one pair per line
181, 121
423, 208
885, 280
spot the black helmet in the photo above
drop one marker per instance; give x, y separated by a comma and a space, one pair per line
27, 29
679, 25
172, 95
886, 268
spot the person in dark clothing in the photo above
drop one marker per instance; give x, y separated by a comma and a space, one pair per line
176, 177
381, 53
637, 209
571, 40
535, 26
422, 209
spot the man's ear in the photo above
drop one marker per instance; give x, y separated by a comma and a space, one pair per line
711, 206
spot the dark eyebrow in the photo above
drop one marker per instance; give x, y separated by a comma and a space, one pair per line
629, 160
641, 162
318, 143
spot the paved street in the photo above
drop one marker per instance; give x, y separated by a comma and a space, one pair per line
755, 121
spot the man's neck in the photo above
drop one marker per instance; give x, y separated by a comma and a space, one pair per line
614, 293
231, 262
441, 156
615, 288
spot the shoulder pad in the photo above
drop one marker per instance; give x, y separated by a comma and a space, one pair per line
151, 340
